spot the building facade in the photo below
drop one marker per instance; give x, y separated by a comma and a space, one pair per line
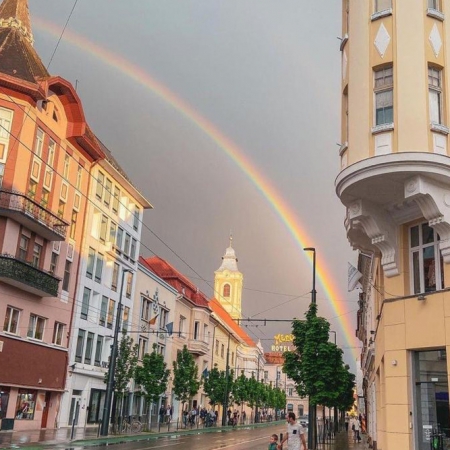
47, 151
395, 185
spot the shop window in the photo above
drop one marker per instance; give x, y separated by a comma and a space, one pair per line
11, 324
26, 403
4, 400
426, 262
96, 403
36, 327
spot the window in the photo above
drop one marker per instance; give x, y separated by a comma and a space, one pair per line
11, 324
222, 351
66, 166
115, 277
382, 5
99, 268
119, 239
205, 334
108, 189
36, 327
143, 343
217, 347
37, 252
196, 330
85, 303
146, 306
66, 278
54, 263
125, 318
58, 333
73, 224
290, 392
163, 315
126, 247
39, 142
384, 109
435, 94
103, 310
226, 290
99, 187
115, 205
80, 345
161, 349
51, 152
103, 228
133, 249
44, 198
26, 403
112, 232
182, 326
32, 188
427, 267
89, 346
79, 176
434, 4
129, 285
137, 213
23, 247
90, 263
61, 208
232, 358
111, 308
98, 350
5, 122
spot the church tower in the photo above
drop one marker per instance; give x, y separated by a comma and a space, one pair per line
228, 283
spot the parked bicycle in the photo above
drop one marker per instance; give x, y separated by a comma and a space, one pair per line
131, 425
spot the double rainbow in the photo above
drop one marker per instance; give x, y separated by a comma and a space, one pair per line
262, 184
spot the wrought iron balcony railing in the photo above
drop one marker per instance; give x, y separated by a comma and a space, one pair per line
25, 276
32, 215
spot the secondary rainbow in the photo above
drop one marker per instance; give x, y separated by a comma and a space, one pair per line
268, 191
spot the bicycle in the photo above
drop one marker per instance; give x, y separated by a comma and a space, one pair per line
131, 427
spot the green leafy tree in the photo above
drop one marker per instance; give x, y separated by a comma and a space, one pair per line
127, 357
152, 375
240, 389
218, 387
280, 399
185, 376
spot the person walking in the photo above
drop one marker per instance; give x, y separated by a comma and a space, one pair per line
295, 435
347, 420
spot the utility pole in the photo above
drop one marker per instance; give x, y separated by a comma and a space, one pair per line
112, 364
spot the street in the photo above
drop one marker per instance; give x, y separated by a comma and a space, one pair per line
239, 439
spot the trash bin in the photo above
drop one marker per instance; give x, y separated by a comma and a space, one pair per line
7, 424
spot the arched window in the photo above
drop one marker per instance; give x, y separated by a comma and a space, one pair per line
226, 290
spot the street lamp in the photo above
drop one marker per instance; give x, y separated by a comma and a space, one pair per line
311, 408
112, 363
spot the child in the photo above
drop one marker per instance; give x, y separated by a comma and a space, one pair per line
273, 445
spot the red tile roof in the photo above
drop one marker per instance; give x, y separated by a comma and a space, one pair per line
171, 276
222, 314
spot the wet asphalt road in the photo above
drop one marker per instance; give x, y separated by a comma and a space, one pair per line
240, 439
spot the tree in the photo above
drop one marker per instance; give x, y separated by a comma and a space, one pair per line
126, 362
240, 389
216, 385
152, 375
185, 373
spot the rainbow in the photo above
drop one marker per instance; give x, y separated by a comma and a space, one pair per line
263, 185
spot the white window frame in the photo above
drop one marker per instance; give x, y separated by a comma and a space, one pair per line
380, 6
182, 327
13, 324
435, 93
39, 144
419, 251
58, 333
382, 87
33, 325
434, 4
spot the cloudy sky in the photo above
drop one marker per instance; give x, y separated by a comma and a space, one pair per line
263, 75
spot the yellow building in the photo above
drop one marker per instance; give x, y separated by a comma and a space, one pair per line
395, 185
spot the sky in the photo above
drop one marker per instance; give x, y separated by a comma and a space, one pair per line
226, 115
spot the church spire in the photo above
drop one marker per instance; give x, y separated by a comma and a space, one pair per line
15, 14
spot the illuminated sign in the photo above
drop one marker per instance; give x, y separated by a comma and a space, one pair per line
282, 342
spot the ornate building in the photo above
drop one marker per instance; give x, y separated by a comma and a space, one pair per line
395, 185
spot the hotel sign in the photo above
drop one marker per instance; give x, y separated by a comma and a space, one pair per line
283, 343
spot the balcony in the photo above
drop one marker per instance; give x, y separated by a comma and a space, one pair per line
197, 347
32, 215
27, 277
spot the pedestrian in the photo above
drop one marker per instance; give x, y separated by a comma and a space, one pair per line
357, 429
273, 442
168, 414
347, 420
162, 412
295, 435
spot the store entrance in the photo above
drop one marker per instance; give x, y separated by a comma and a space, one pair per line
431, 396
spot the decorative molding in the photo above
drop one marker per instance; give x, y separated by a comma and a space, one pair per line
435, 40
380, 14
382, 40
431, 12
381, 230
439, 128
382, 128
432, 199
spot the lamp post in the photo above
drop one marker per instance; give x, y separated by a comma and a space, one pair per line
112, 364
311, 408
